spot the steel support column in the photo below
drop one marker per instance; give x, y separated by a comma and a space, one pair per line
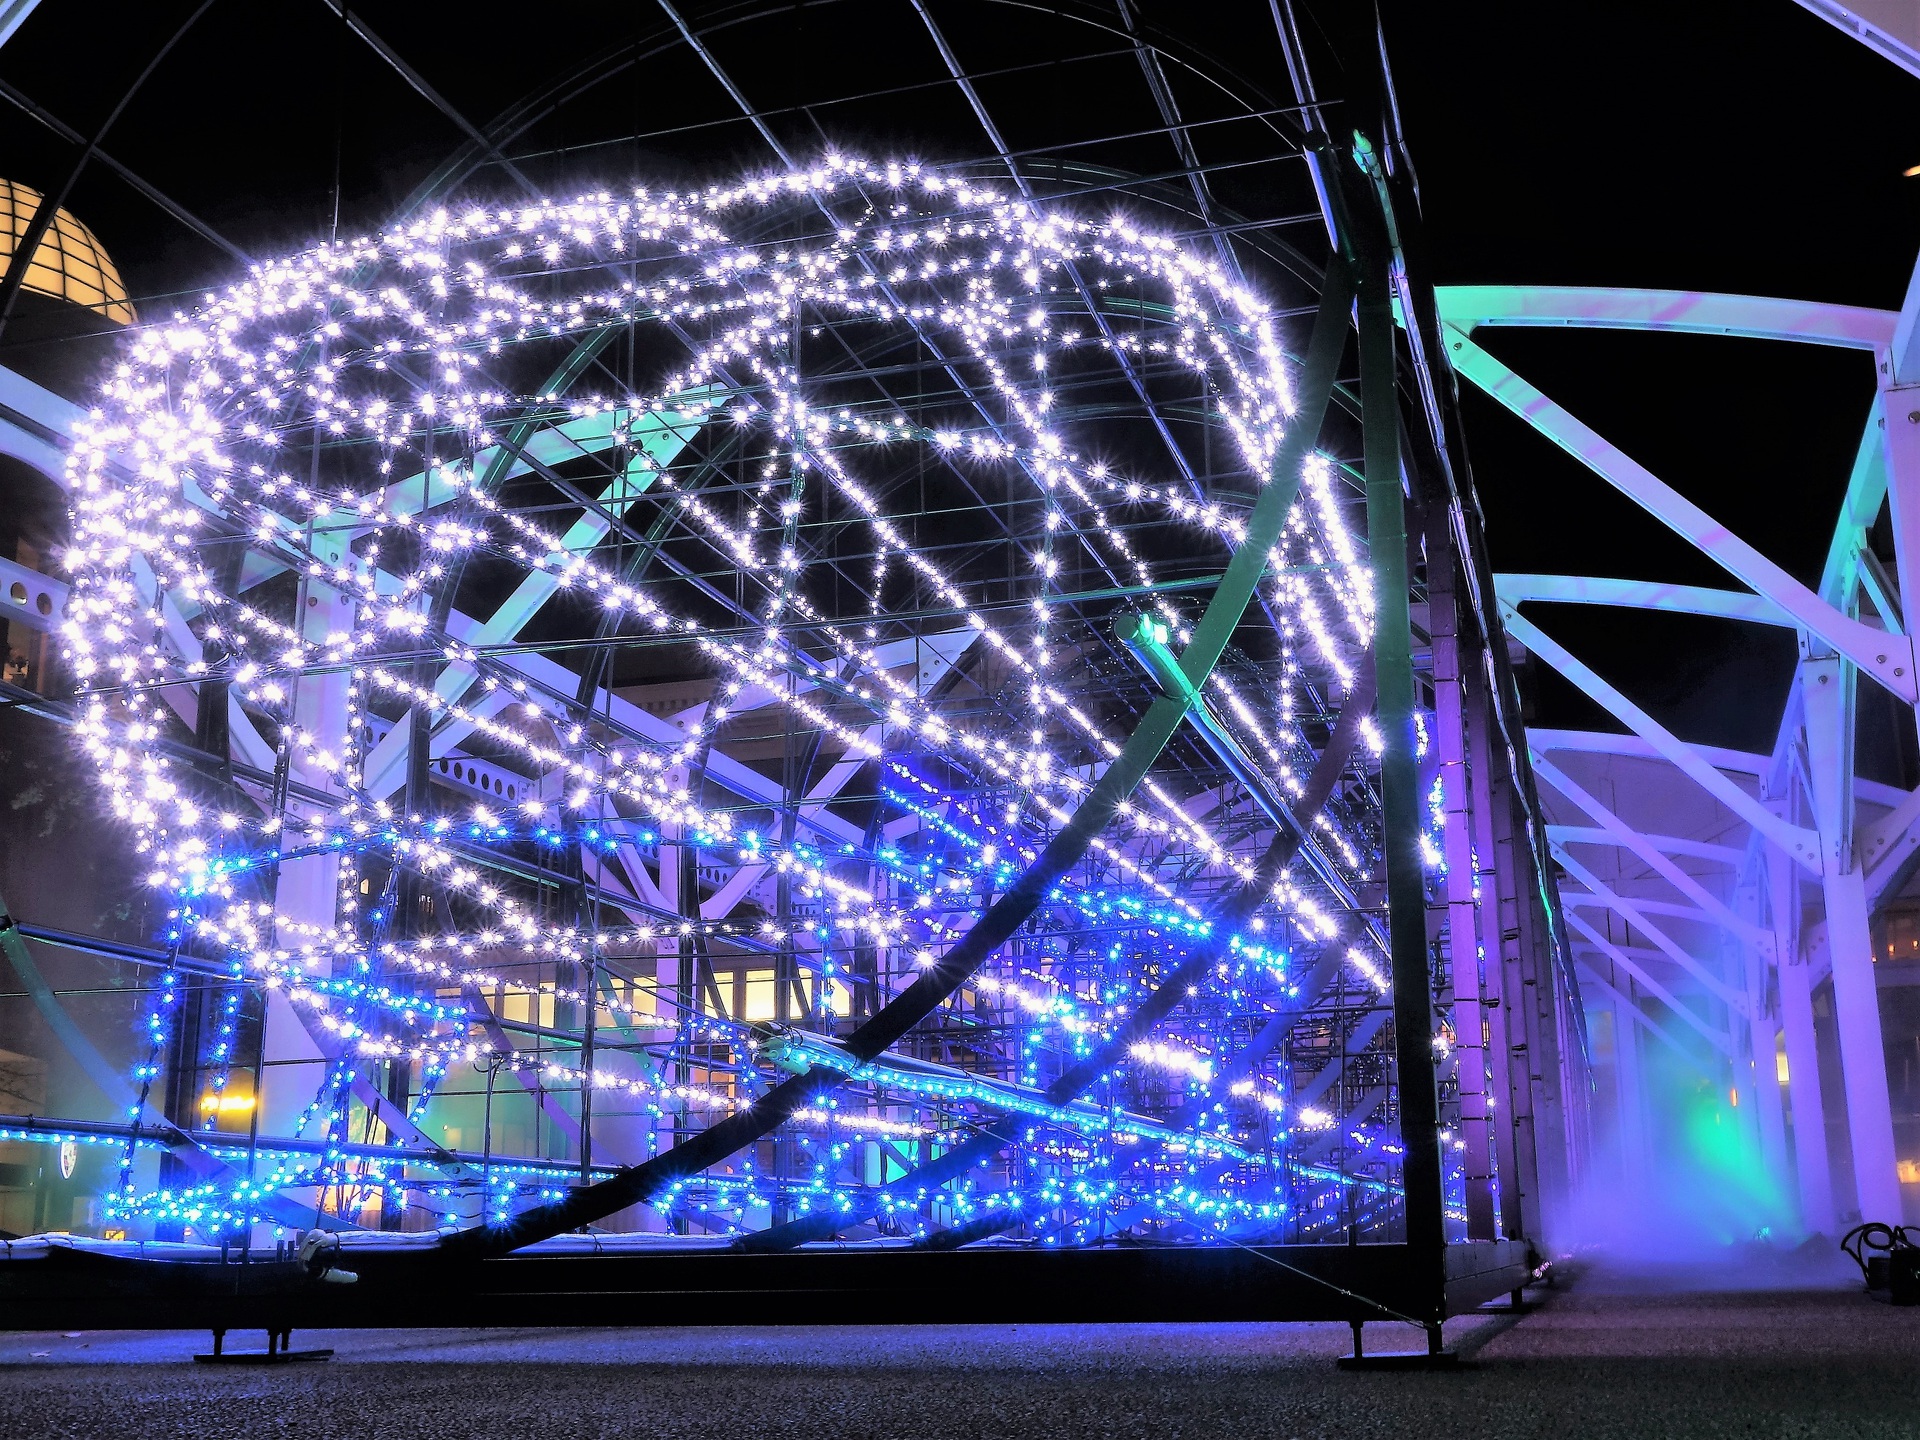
1828, 685
1550, 1076
1630, 1116
1811, 1166
1507, 1034
1462, 910
1413, 1020
306, 890
1762, 1031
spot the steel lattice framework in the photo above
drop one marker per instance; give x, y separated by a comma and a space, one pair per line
888, 702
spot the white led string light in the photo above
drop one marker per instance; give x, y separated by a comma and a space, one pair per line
372, 341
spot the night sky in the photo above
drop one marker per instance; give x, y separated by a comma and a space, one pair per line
1739, 145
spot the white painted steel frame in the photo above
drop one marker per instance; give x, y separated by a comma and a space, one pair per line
1809, 777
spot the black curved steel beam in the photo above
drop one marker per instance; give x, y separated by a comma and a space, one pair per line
1226, 920
920, 999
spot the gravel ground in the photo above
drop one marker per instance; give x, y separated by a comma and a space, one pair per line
1603, 1358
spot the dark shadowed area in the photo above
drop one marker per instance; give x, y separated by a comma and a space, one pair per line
1602, 1359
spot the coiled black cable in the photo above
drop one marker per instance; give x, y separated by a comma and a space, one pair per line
1874, 1237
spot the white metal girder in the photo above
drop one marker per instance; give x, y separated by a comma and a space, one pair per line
1641, 595
35, 425
1636, 916
1793, 977
29, 598
1856, 1004
1600, 742
552, 445
720, 904
723, 769
1653, 1027
13, 14
244, 737
1883, 846
386, 767
1659, 992
1888, 659
1887, 27
1801, 844
1685, 312
1672, 908
1666, 844
1622, 834
1899, 434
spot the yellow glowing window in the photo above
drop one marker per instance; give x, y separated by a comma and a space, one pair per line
759, 996
69, 263
1909, 1171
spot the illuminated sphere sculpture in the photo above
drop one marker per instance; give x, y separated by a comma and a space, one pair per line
872, 456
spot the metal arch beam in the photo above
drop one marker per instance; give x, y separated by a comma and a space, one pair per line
417, 82
1886, 27
1618, 832
1672, 908
1653, 1026
13, 14
27, 243
27, 106
706, 56
1600, 742
1094, 311
1888, 659
1156, 78
1666, 844
1800, 844
1641, 595
1636, 916
508, 459
1660, 992
36, 426
1195, 969
1679, 312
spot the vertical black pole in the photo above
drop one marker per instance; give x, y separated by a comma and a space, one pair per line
1399, 780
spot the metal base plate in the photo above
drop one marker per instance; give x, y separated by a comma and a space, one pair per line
260, 1357
1403, 1360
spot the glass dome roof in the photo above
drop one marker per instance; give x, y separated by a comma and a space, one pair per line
70, 263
